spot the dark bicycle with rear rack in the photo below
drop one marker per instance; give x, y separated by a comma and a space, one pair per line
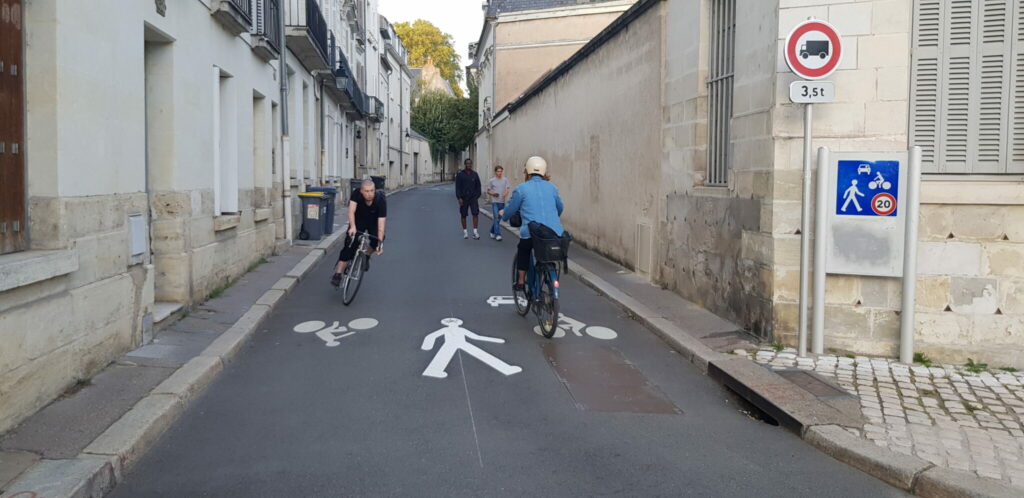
549, 258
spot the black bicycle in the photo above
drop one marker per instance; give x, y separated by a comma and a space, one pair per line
352, 277
541, 290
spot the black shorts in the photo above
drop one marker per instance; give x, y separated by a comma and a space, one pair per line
349, 251
523, 252
470, 204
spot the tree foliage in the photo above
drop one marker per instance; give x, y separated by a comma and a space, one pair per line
426, 41
449, 123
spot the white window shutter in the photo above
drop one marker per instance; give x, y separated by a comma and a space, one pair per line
1015, 140
957, 96
993, 87
257, 18
924, 103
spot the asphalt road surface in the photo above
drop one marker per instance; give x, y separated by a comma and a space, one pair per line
608, 409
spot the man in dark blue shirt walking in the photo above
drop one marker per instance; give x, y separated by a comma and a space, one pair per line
468, 191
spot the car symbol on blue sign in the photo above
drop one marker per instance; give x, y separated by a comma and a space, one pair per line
867, 188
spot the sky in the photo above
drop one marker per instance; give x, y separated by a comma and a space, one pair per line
463, 19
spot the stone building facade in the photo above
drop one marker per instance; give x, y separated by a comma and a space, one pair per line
634, 123
523, 39
156, 164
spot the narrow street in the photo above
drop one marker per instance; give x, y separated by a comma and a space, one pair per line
606, 409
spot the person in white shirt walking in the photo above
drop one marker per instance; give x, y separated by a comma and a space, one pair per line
498, 189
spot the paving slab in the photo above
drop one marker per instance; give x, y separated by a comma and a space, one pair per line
13, 463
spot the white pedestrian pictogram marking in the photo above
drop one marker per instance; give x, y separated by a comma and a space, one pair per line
331, 334
851, 196
455, 340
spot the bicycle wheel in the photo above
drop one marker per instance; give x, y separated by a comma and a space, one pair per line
547, 305
352, 278
521, 298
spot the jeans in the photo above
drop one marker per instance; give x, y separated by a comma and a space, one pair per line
496, 226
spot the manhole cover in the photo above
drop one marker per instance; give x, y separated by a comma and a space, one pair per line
812, 383
601, 379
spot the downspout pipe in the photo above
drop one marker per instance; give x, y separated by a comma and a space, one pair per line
286, 164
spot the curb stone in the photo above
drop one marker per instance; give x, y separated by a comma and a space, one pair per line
95, 471
895, 469
85, 476
905, 472
948, 483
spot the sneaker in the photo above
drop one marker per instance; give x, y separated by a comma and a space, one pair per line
465, 234
498, 238
491, 234
476, 236
518, 287
336, 279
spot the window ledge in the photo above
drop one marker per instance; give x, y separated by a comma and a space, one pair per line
24, 268
226, 221
262, 214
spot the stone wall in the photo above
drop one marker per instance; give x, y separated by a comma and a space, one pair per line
58, 331
716, 243
597, 127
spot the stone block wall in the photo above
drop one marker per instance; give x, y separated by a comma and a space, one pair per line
59, 331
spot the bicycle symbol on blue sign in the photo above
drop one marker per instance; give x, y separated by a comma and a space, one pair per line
867, 188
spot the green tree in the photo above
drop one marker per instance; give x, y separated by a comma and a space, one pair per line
426, 41
449, 123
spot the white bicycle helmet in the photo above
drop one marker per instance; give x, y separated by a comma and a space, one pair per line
536, 165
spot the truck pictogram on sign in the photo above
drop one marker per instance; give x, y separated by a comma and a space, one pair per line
813, 50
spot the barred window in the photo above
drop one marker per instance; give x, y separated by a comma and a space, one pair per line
967, 101
720, 82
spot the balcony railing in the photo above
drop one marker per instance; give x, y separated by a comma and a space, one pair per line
266, 28
243, 7
345, 81
271, 25
306, 23
234, 15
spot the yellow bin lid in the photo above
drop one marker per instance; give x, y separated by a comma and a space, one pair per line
312, 194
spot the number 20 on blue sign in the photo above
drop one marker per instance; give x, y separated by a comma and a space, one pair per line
867, 188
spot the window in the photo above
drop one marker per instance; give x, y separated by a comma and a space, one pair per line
225, 144
967, 102
12, 131
720, 79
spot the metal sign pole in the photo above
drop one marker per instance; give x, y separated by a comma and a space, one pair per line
805, 231
913, 214
820, 229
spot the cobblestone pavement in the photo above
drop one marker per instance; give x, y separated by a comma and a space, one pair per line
944, 414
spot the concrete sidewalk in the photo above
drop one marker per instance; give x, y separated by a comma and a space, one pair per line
824, 413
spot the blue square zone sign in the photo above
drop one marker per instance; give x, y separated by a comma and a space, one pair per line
867, 188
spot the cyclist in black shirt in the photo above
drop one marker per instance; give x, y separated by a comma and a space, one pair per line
367, 212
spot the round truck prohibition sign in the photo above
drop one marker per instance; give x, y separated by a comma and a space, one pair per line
813, 50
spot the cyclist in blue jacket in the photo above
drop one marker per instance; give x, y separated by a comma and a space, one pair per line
536, 199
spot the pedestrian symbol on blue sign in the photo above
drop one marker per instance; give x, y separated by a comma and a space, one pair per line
867, 188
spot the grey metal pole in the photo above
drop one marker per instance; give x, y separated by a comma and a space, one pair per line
820, 214
286, 164
805, 231
913, 214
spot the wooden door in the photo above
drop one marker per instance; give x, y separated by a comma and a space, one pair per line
12, 128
